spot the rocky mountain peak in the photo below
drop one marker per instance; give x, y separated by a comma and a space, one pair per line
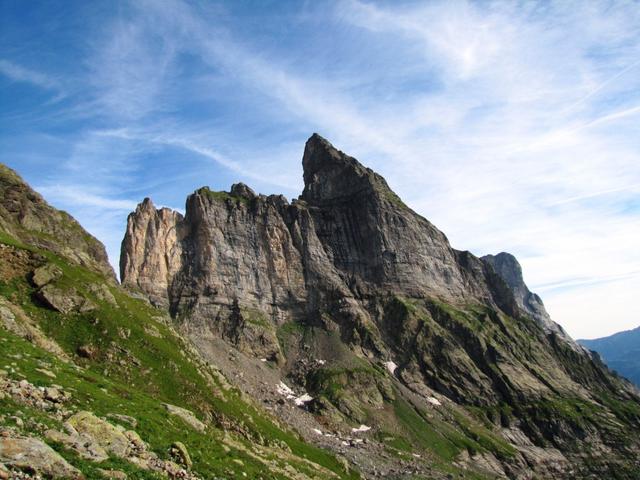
331, 175
243, 191
349, 279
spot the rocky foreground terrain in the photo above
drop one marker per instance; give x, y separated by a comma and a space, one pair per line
336, 336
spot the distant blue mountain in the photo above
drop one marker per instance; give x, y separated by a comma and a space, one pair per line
620, 351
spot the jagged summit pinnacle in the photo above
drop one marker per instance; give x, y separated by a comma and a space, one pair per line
242, 190
330, 174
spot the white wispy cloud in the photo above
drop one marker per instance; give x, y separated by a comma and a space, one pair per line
507, 146
182, 140
18, 73
80, 196
512, 126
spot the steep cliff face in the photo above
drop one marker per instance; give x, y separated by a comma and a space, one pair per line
350, 275
348, 236
373, 239
152, 250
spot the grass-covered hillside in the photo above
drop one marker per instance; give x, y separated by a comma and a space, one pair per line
118, 358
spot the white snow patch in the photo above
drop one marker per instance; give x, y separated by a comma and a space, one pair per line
434, 401
263, 359
321, 362
391, 366
317, 432
361, 428
283, 389
302, 399
415, 455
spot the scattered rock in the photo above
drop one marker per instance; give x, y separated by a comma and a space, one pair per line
186, 416
102, 292
83, 445
123, 419
35, 455
26, 393
179, 452
113, 474
52, 394
86, 351
102, 432
152, 331
46, 372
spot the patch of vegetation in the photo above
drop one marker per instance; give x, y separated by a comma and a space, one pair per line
289, 332
331, 382
427, 433
255, 317
222, 196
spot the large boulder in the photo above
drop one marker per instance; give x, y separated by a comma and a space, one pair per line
104, 434
46, 274
32, 454
64, 301
83, 445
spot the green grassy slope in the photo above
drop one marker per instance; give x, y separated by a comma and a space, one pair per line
136, 363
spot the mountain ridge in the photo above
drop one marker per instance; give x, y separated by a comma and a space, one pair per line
376, 286
620, 351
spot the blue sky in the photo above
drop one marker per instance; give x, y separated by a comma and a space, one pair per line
513, 126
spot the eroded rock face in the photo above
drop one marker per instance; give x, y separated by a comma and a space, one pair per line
151, 250
373, 239
239, 265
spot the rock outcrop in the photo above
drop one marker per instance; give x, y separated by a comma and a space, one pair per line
242, 259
